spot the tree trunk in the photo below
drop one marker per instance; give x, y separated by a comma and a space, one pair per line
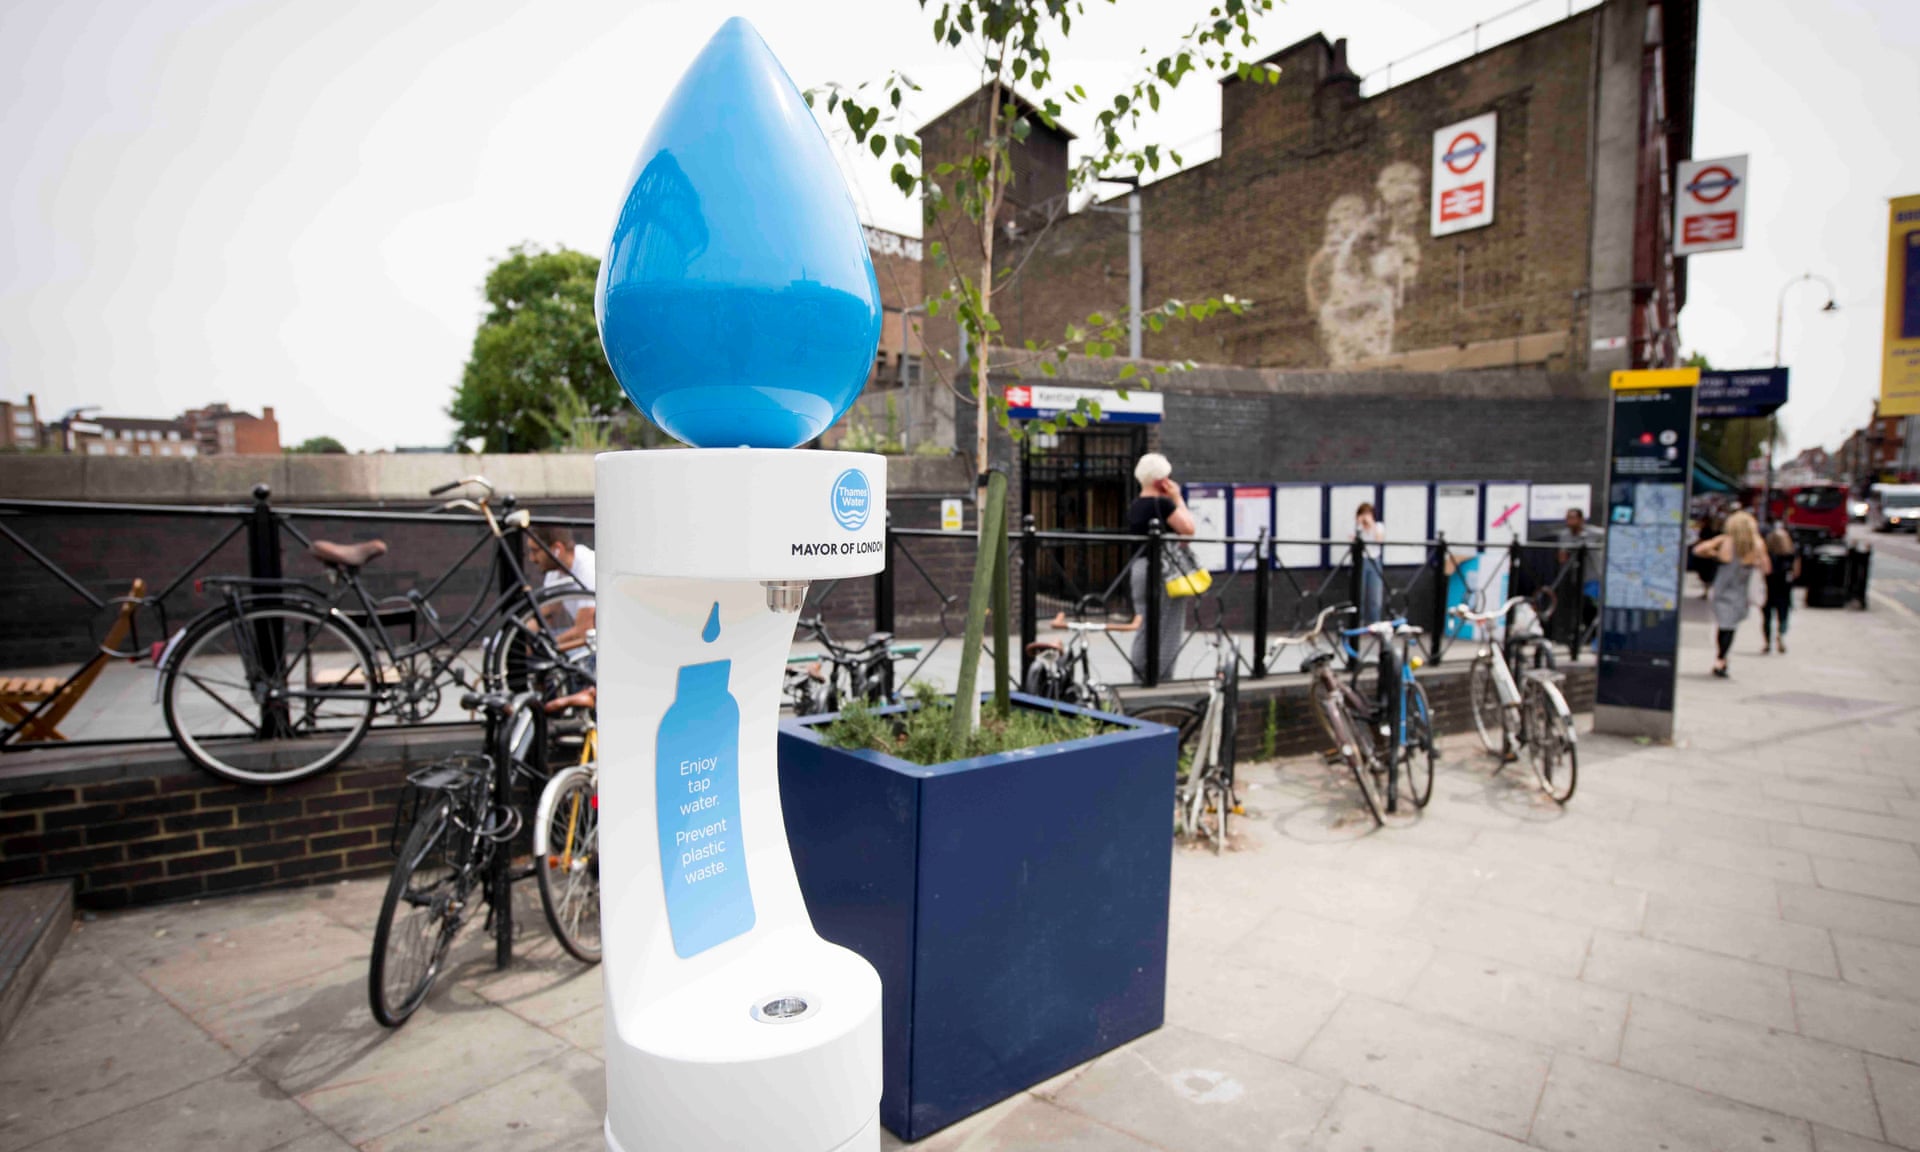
982, 410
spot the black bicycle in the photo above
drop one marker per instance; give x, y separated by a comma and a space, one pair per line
281, 679
817, 684
457, 824
1063, 670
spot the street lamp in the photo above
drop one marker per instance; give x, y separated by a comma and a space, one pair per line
1779, 329
1133, 259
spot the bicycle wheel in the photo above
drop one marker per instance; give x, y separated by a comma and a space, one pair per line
1043, 677
1356, 750
1488, 718
1551, 748
566, 852
1182, 718
419, 917
1417, 754
1213, 805
519, 641
272, 694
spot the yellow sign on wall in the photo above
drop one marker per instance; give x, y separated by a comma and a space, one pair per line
1900, 368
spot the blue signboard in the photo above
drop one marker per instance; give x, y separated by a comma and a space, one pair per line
1743, 392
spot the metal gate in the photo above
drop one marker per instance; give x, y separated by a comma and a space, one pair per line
1081, 480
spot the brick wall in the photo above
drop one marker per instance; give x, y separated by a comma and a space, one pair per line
148, 827
1314, 184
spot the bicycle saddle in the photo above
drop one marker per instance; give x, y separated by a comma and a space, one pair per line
1044, 645
347, 555
1314, 661
879, 639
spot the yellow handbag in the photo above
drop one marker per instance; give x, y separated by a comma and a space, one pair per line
1192, 582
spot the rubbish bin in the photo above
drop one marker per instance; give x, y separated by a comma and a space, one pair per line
1826, 576
1859, 564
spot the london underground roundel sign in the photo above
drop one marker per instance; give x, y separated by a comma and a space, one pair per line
1463, 172
1709, 205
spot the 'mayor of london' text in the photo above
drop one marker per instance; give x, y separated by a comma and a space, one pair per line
846, 548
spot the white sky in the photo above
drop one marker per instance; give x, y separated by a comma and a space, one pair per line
293, 203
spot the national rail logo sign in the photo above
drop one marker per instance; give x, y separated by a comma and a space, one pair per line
1463, 165
1709, 205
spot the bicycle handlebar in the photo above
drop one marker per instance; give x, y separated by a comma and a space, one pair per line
442, 489
1319, 627
461, 483
1472, 617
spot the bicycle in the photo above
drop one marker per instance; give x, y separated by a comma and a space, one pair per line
1064, 671
566, 842
1530, 713
1204, 796
817, 684
457, 855
1344, 715
281, 680
1401, 713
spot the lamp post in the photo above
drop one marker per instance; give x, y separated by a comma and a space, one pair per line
1779, 330
1133, 260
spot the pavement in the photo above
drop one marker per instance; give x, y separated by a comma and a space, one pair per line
1716, 945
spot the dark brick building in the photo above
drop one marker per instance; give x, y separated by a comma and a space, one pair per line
1317, 210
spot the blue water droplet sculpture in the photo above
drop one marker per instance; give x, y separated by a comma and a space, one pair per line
712, 631
737, 302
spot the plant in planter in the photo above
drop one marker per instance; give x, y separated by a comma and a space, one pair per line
1014, 901
964, 202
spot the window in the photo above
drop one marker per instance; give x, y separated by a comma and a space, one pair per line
98, 449
146, 449
175, 435
23, 418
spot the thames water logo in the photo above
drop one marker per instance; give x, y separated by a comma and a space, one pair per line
852, 498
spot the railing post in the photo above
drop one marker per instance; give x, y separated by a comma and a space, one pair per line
1514, 571
1439, 597
1150, 612
1578, 633
263, 563
1356, 591
1262, 582
883, 582
1029, 593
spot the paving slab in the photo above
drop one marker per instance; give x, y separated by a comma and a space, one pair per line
1363, 1121
1562, 1014
235, 1112
1818, 842
1762, 939
1592, 1107
1187, 1092
1253, 1005
1848, 912
1526, 939
1897, 1087
556, 1104
1765, 1067
1882, 965
1348, 957
1852, 1016
1477, 1077
1758, 993
1874, 878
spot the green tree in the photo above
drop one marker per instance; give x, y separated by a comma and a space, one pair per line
963, 201
319, 446
536, 352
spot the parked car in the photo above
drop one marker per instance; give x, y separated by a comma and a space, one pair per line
1894, 508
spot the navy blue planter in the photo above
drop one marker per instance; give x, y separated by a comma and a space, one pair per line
1015, 905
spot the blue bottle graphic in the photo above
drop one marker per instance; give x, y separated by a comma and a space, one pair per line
703, 863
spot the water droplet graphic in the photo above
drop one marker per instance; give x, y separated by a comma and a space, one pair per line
712, 631
737, 302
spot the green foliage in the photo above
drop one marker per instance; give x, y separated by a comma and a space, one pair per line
319, 446
1012, 39
574, 425
1270, 735
924, 733
536, 353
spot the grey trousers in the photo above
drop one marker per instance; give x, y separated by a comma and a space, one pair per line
1173, 623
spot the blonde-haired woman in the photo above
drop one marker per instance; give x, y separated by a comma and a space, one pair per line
1741, 552
1785, 559
1160, 500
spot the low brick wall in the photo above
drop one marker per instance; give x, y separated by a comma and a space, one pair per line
140, 826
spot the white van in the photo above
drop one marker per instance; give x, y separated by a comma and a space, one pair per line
1894, 508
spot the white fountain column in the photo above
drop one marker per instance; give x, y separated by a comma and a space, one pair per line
730, 1024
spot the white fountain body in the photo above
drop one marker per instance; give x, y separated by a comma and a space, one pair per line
694, 1058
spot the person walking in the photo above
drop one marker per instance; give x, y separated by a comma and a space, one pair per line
1785, 571
1586, 541
1372, 534
1159, 499
1740, 551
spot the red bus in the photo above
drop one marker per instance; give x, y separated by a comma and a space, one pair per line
1813, 512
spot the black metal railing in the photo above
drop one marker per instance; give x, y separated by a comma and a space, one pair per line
103, 546
86, 555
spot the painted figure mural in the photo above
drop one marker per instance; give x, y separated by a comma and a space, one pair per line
1368, 255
